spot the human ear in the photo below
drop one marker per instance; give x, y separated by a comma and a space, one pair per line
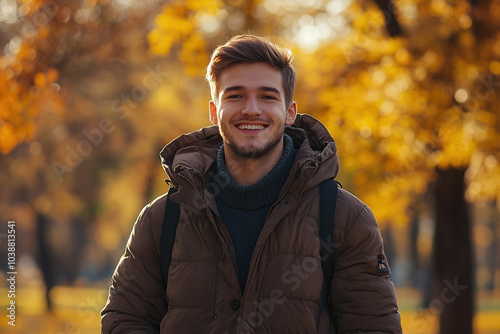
212, 110
291, 113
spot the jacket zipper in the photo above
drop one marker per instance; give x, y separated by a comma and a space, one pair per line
223, 240
267, 216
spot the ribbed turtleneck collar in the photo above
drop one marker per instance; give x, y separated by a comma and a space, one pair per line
262, 193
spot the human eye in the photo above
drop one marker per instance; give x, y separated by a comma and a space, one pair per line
269, 97
232, 96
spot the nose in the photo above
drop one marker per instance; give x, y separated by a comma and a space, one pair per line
252, 107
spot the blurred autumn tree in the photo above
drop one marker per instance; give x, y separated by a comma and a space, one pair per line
84, 113
412, 104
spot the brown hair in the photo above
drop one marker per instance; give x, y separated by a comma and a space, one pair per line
251, 49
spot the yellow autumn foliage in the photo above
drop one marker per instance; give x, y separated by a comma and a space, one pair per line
178, 24
401, 107
24, 91
397, 107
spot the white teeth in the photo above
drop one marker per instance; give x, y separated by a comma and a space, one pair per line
250, 127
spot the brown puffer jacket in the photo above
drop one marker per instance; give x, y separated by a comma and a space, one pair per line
284, 286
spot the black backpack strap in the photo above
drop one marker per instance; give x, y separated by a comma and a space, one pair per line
327, 203
172, 212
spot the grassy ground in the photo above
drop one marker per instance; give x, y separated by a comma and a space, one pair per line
416, 320
76, 311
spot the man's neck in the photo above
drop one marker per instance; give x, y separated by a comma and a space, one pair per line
247, 171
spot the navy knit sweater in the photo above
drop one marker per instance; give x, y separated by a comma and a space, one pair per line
243, 209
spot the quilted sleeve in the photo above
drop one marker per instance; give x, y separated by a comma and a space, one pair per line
362, 294
136, 301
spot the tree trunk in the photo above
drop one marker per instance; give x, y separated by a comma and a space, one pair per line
453, 262
45, 258
415, 270
494, 249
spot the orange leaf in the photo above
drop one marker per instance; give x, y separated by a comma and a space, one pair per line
7, 138
40, 79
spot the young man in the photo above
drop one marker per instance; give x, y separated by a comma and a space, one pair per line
246, 257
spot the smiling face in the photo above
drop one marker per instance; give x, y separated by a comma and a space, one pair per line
251, 111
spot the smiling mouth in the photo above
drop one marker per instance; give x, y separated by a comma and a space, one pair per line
251, 127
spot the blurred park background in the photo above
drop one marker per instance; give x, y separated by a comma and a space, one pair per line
91, 90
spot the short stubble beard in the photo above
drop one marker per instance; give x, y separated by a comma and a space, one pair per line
253, 153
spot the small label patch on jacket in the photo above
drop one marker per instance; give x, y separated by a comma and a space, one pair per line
382, 266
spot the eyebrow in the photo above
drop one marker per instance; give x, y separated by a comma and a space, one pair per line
229, 89
262, 88
270, 89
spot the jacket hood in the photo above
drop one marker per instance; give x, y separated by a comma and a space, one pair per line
188, 157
